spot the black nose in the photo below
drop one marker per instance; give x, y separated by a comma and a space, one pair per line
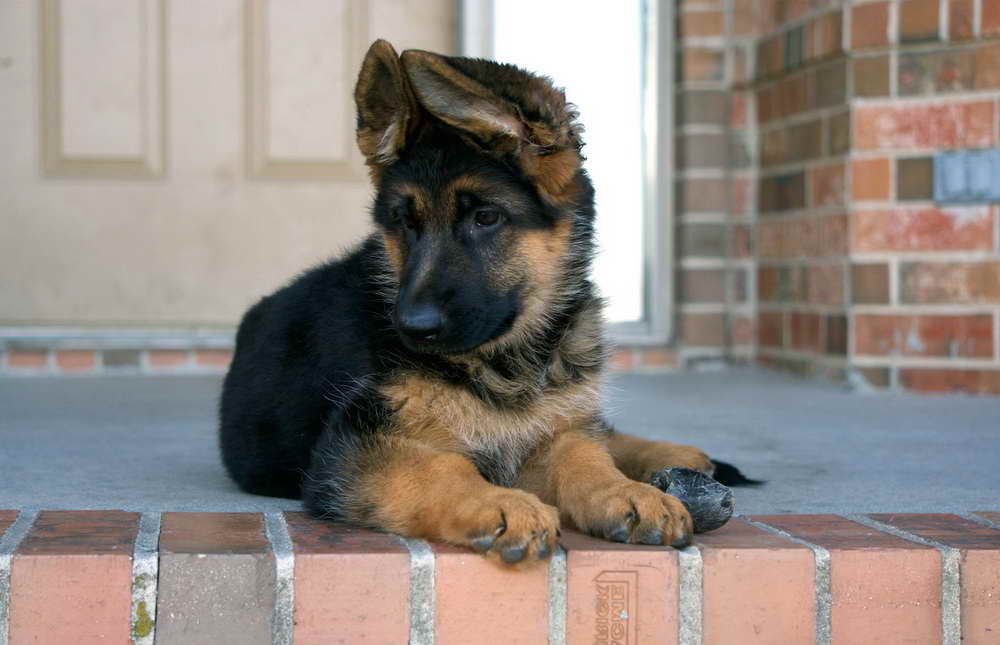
421, 322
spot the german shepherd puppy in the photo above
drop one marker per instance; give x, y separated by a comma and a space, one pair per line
442, 380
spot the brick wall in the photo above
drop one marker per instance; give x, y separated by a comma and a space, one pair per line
856, 271
803, 120
926, 277
715, 181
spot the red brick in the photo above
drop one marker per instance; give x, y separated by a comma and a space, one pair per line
960, 19
479, 601
946, 336
918, 20
703, 285
957, 228
335, 566
825, 38
871, 76
884, 589
770, 328
627, 588
870, 284
71, 578
703, 329
990, 516
770, 56
827, 185
833, 234
739, 191
987, 66
27, 360
950, 380
990, 17
740, 66
805, 331
702, 64
870, 25
801, 237
204, 533
769, 239
757, 587
979, 570
161, 358
743, 242
745, 18
825, 284
952, 125
701, 195
870, 179
700, 23
213, 357
657, 357
738, 110
7, 518
742, 330
950, 282
622, 360
72, 360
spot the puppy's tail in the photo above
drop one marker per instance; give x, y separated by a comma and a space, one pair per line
729, 475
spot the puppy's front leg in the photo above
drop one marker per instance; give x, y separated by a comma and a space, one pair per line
599, 499
409, 488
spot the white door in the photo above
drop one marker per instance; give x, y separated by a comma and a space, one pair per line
164, 163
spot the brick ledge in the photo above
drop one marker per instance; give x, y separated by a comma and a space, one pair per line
68, 576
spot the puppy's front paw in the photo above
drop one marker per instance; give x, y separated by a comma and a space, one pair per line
637, 513
508, 524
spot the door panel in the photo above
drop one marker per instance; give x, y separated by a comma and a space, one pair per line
167, 163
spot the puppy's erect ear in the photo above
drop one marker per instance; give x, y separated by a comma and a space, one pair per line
462, 102
506, 112
386, 107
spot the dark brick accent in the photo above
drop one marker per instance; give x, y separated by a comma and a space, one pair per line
871, 76
918, 20
915, 178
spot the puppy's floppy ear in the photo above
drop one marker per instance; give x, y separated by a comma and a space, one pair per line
462, 102
386, 106
505, 111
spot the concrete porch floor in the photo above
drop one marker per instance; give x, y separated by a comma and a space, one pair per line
148, 443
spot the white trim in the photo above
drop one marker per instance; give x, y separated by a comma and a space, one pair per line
475, 37
8, 545
58, 337
422, 594
923, 362
690, 596
283, 613
557, 597
145, 573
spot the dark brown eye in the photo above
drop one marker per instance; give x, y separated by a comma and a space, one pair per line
403, 216
487, 217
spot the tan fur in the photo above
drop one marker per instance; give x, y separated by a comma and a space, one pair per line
640, 458
450, 417
577, 474
425, 493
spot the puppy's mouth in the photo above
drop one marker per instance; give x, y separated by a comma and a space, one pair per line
457, 339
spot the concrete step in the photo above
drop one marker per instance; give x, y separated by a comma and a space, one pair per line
117, 577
